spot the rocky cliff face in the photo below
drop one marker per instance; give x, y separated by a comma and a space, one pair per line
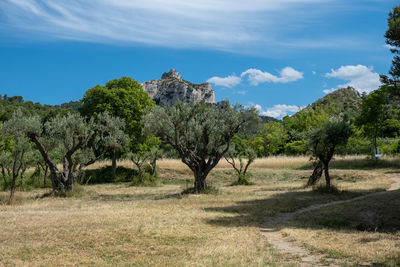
172, 88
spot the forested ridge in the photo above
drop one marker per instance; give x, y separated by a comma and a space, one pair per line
285, 136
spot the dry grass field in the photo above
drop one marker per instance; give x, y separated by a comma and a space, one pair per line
275, 162
119, 224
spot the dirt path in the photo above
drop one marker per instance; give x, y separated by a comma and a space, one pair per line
306, 258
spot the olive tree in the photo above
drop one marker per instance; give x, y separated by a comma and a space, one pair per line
323, 142
146, 153
201, 133
245, 159
17, 153
240, 156
79, 140
110, 137
5, 164
6, 147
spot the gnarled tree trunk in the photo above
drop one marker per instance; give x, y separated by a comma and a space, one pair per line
327, 177
200, 181
317, 173
61, 181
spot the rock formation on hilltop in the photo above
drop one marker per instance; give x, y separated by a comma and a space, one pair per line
172, 88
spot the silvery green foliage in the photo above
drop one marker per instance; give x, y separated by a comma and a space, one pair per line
5, 159
202, 129
139, 158
200, 132
20, 125
16, 128
111, 131
323, 143
20, 150
71, 130
146, 152
245, 158
93, 136
71, 139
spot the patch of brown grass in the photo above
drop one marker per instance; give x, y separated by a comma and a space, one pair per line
122, 225
117, 224
274, 162
364, 231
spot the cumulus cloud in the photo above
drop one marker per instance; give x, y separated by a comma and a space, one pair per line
256, 76
360, 77
228, 81
287, 74
277, 111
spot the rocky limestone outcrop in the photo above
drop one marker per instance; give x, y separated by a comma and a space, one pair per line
172, 88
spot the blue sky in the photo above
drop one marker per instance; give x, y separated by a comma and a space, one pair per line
277, 55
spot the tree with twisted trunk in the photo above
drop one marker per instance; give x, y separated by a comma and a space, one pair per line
323, 142
201, 133
79, 141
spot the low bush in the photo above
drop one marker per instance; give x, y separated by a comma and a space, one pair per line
105, 175
147, 180
243, 180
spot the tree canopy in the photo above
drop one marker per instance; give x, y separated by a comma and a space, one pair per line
201, 133
78, 141
392, 36
323, 142
123, 98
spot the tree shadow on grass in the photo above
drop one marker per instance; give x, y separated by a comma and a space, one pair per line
358, 164
393, 172
133, 197
361, 215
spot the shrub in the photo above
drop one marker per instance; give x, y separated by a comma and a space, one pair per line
105, 175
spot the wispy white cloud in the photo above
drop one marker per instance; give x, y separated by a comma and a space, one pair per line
277, 111
228, 81
360, 77
287, 74
175, 23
